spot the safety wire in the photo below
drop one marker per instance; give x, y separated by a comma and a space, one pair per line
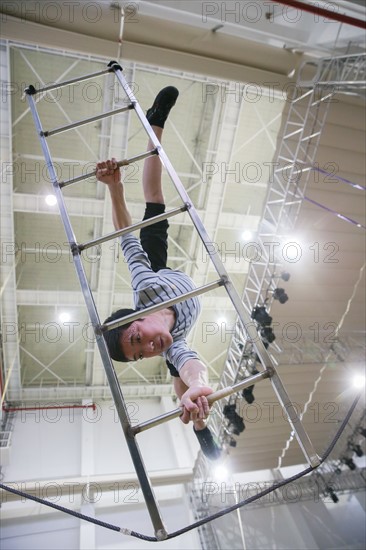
212, 517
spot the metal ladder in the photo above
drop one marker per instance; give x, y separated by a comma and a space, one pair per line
269, 370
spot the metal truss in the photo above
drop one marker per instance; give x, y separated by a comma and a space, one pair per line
346, 74
214, 497
291, 171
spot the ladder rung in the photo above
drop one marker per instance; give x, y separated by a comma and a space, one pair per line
143, 312
49, 133
31, 90
134, 227
220, 394
120, 163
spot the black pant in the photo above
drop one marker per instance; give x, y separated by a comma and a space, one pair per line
154, 240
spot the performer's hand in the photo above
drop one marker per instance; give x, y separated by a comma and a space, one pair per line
107, 172
195, 404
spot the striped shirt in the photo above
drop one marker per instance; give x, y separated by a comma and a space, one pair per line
150, 287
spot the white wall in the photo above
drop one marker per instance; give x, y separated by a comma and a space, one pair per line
56, 445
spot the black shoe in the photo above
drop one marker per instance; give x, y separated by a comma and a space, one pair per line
208, 445
164, 101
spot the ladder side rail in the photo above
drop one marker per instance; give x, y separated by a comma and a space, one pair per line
250, 327
119, 402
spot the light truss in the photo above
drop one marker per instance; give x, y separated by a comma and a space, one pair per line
291, 171
344, 73
212, 497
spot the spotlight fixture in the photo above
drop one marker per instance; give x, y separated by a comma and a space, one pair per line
236, 423
362, 431
285, 276
247, 393
332, 494
237, 428
232, 442
229, 411
357, 449
268, 335
280, 295
351, 465
260, 315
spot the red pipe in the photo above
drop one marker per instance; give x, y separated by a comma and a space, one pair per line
16, 409
341, 17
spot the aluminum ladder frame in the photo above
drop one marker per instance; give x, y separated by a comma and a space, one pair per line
269, 370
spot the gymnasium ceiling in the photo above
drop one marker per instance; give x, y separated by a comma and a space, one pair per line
221, 137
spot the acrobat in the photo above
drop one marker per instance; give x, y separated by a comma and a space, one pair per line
164, 332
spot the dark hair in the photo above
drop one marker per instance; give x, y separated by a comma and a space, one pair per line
112, 337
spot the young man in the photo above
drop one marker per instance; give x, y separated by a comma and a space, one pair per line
164, 332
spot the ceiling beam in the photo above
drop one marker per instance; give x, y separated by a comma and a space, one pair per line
104, 483
25, 31
76, 206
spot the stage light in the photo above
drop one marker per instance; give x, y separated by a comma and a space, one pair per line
357, 449
221, 473
247, 393
351, 465
237, 428
64, 317
260, 315
359, 381
247, 235
280, 295
229, 411
51, 200
362, 431
236, 423
232, 442
285, 276
268, 335
332, 494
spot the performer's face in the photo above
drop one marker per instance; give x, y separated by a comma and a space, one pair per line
145, 338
